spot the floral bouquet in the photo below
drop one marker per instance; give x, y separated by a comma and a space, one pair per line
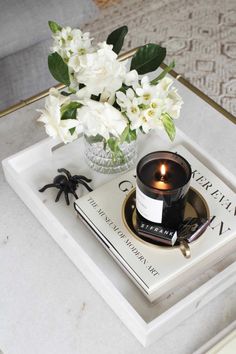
104, 97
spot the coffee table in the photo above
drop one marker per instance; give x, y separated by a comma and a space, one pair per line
46, 304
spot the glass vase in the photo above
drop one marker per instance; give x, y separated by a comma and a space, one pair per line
100, 158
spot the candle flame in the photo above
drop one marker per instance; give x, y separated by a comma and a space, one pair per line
163, 170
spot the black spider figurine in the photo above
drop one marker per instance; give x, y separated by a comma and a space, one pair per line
67, 184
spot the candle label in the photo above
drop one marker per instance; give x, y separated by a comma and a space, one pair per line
151, 209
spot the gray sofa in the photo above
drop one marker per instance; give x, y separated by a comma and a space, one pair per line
25, 42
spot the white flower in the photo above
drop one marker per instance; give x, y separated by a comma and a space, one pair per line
61, 98
133, 112
71, 43
51, 117
131, 78
158, 105
99, 118
129, 104
165, 84
141, 122
173, 103
147, 91
163, 87
124, 100
101, 71
83, 94
80, 43
74, 63
108, 97
145, 106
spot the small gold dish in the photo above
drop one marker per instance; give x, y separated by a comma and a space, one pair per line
196, 207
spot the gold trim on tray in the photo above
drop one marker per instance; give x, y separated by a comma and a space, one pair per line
125, 56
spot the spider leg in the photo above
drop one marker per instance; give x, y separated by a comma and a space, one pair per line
85, 185
72, 191
75, 195
58, 195
66, 197
46, 187
83, 178
67, 173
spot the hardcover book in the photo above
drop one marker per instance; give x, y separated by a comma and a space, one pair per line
157, 268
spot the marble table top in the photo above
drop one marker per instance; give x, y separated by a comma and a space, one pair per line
46, 305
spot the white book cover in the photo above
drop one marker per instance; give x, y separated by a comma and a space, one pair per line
156, 269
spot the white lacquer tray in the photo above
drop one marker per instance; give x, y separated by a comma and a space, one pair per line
36, 166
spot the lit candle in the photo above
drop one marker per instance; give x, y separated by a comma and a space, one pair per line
163, 171
163, 180
160, 181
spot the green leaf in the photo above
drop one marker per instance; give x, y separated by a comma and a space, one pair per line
116, 38
148, 58
167, 69
104, 145
112, 143
143, 106
95, 98
64, 93
94, 139
127, 135
123, 88
71, 90
132, 135
54, 27
72, 130
117, 153
69, 111
58, 68
169, 126
124, 134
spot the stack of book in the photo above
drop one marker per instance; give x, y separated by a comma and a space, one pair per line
156, 268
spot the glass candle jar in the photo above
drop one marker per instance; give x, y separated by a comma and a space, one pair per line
163, 180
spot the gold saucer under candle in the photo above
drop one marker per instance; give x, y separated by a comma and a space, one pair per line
196, 207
